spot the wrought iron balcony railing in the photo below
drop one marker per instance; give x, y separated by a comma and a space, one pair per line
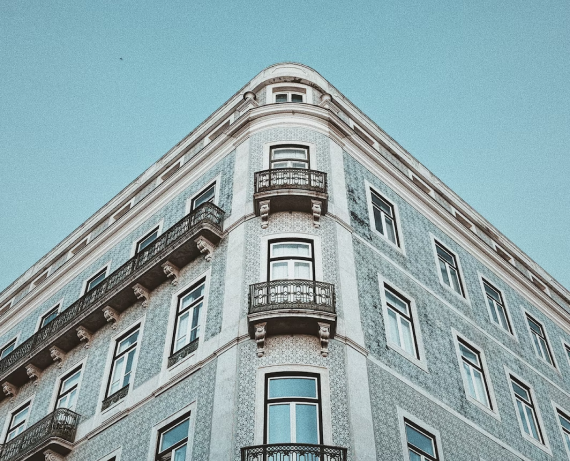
293, 452
61, 425
184, 352
146, 266
290, 178
114, 398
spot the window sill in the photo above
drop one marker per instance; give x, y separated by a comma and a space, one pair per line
388, 241
114, 399
421, 364
482, 407
452, 291
183, 354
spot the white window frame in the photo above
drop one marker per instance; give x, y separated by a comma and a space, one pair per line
189, 200
291, 260
557, 410
7, 343
29, 402
420, 361
87, 279
156, 429
273, 90
59, 382
494, 410
482, 280
142, 235
311, 147
566, 348
114, 455
554, 363
402, 416
61, 376
400, 246
44, 313
543, 446
465, 294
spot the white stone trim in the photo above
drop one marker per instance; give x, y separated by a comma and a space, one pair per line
566, 348
29, 401
553, 365
270, 93
482, 279
465, 296
311, 147
557, 408
402, 416
116, 454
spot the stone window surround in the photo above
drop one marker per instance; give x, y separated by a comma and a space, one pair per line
557, 410
86, 280
141, 235
272, 91
309, 145
216, 181
482, 280
554, 363
64, 374
29, 401
465, 295
404, 415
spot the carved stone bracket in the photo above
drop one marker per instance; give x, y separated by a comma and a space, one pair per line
33, 372
111, 315
264, 213
260, 333
317, 208
53, 456
9, 389
142, 293
57, 355
206, 247
172, 271
324, 334
249, 102
84, 335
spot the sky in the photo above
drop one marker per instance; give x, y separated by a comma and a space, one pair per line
93, 93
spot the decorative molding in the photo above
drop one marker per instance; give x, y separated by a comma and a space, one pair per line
142, 293
260, 333
111, 315
57, 355
324, 334
206, 247
316, 207
172, 271
264, 213
9, 389
34, 373
53, 456
84, 335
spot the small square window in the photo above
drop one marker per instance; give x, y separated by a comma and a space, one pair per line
49, 316
289, 96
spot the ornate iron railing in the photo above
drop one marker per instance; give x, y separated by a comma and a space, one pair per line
206, 213
290, 178
114, 398
291, 294
293, 452
62, 424
184, 352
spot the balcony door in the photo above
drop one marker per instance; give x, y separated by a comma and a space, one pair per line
291, 260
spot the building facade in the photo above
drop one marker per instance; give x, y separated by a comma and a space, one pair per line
286, 284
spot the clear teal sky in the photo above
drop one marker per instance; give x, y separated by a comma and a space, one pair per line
92, 93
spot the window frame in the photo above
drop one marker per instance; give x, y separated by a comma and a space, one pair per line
138, 248
154, 446
384, 217
566, 348
271, 259
290, 91
531, 318
403, 417
10, 418
485, 281
13, 341
177, 313
464, 295
371, 189
85, 288
191, 199
68, 374
116, 342
561, 412
274, 147
161, 456
50, 311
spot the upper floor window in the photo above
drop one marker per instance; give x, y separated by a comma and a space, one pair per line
18, 422
293, 409
400, 323
187, 324
123, 361
96, 280
539, 340
68, 389
384, 218
526, 411
49, 316
421, 444
147, 240
291, 259
7, 349
207, 195
449, 269
496, 306
474, 374
289, 157
173, 440
565, 425
289, 96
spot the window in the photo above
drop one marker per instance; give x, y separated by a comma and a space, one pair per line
421, 444
472, 369
49, 316
208, 195
400, 325
291, 260
96, 280
18, 422
496, 306
147, 240
292, 409
565, 425
173, 440
525, 410
289, 96
187, 326
539, 340
123, 361
289, 157
449, 269
68, 389
7, 349
384, 218
566, 348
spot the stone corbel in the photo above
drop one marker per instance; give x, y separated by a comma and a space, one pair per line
264, 213
172, 271
249, 102
9, 389
326, 100
206, 247
111, 315
260, 333
324, 334
33, 373
84, 335
53, 456
57, 355
317, 208
141, 293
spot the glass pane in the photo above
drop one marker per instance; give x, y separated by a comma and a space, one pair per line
279, 250
49, 317
180, 453
444, 276
480, 387
69, 400
296, 98
96, 280
414, 456
279, 270
520, 391
117, 376
71, 381
532, 423
565, 422
128, 367
407, 336
502, 316
419, 440
380, 203
277, 165
281, 98
292, 387
148, 240
20, 417
455, 280
7, 350
128, 341
191, 297
393, 328
493, 293
279, 428
299, 165
378, 220
470, 384
522, 415
306, 424
469, 354
445, 255
182, 331
302, 270
567, 439
174, 435
535, 327
396, 302
390, 229
289, 153
206, 196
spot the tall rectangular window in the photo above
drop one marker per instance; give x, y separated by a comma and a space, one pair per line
49, 316
18, 422
68, 389
96, 280
123, 361
384, 218
472, 369
291, 259
449, 268
539, 340
400, 323
7, 349
421, 444
173, 440
526, 410
565, 425
496, 306
207, 195
293, 409
187, 324
147, 240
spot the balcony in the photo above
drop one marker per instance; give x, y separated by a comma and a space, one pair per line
55, 433
290, 189
292, 306
196, 233
293, 452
